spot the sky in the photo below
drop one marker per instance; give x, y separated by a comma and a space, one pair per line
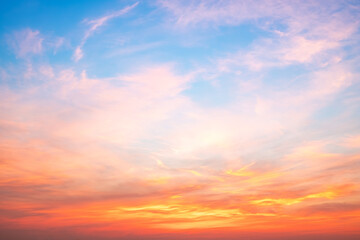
178, 119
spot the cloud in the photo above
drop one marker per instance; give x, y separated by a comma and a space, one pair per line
328, 208
26, 42
47, 71
352, 142
97, 23
78, 54
57, 43
282, 52
96, 140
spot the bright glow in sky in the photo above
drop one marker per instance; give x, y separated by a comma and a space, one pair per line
177, 119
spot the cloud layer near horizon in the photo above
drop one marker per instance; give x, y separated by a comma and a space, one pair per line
181, 120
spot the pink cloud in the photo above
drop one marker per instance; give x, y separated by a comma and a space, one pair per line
26, 42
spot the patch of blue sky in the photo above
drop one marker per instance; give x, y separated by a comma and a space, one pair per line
7, 55
339, 116
53, 16
230, 38
281, 78
212, 94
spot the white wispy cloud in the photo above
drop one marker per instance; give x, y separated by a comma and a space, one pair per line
95, 24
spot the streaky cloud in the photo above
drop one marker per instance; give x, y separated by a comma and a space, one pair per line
97, 23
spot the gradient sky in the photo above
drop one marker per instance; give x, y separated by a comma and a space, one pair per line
176, 119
